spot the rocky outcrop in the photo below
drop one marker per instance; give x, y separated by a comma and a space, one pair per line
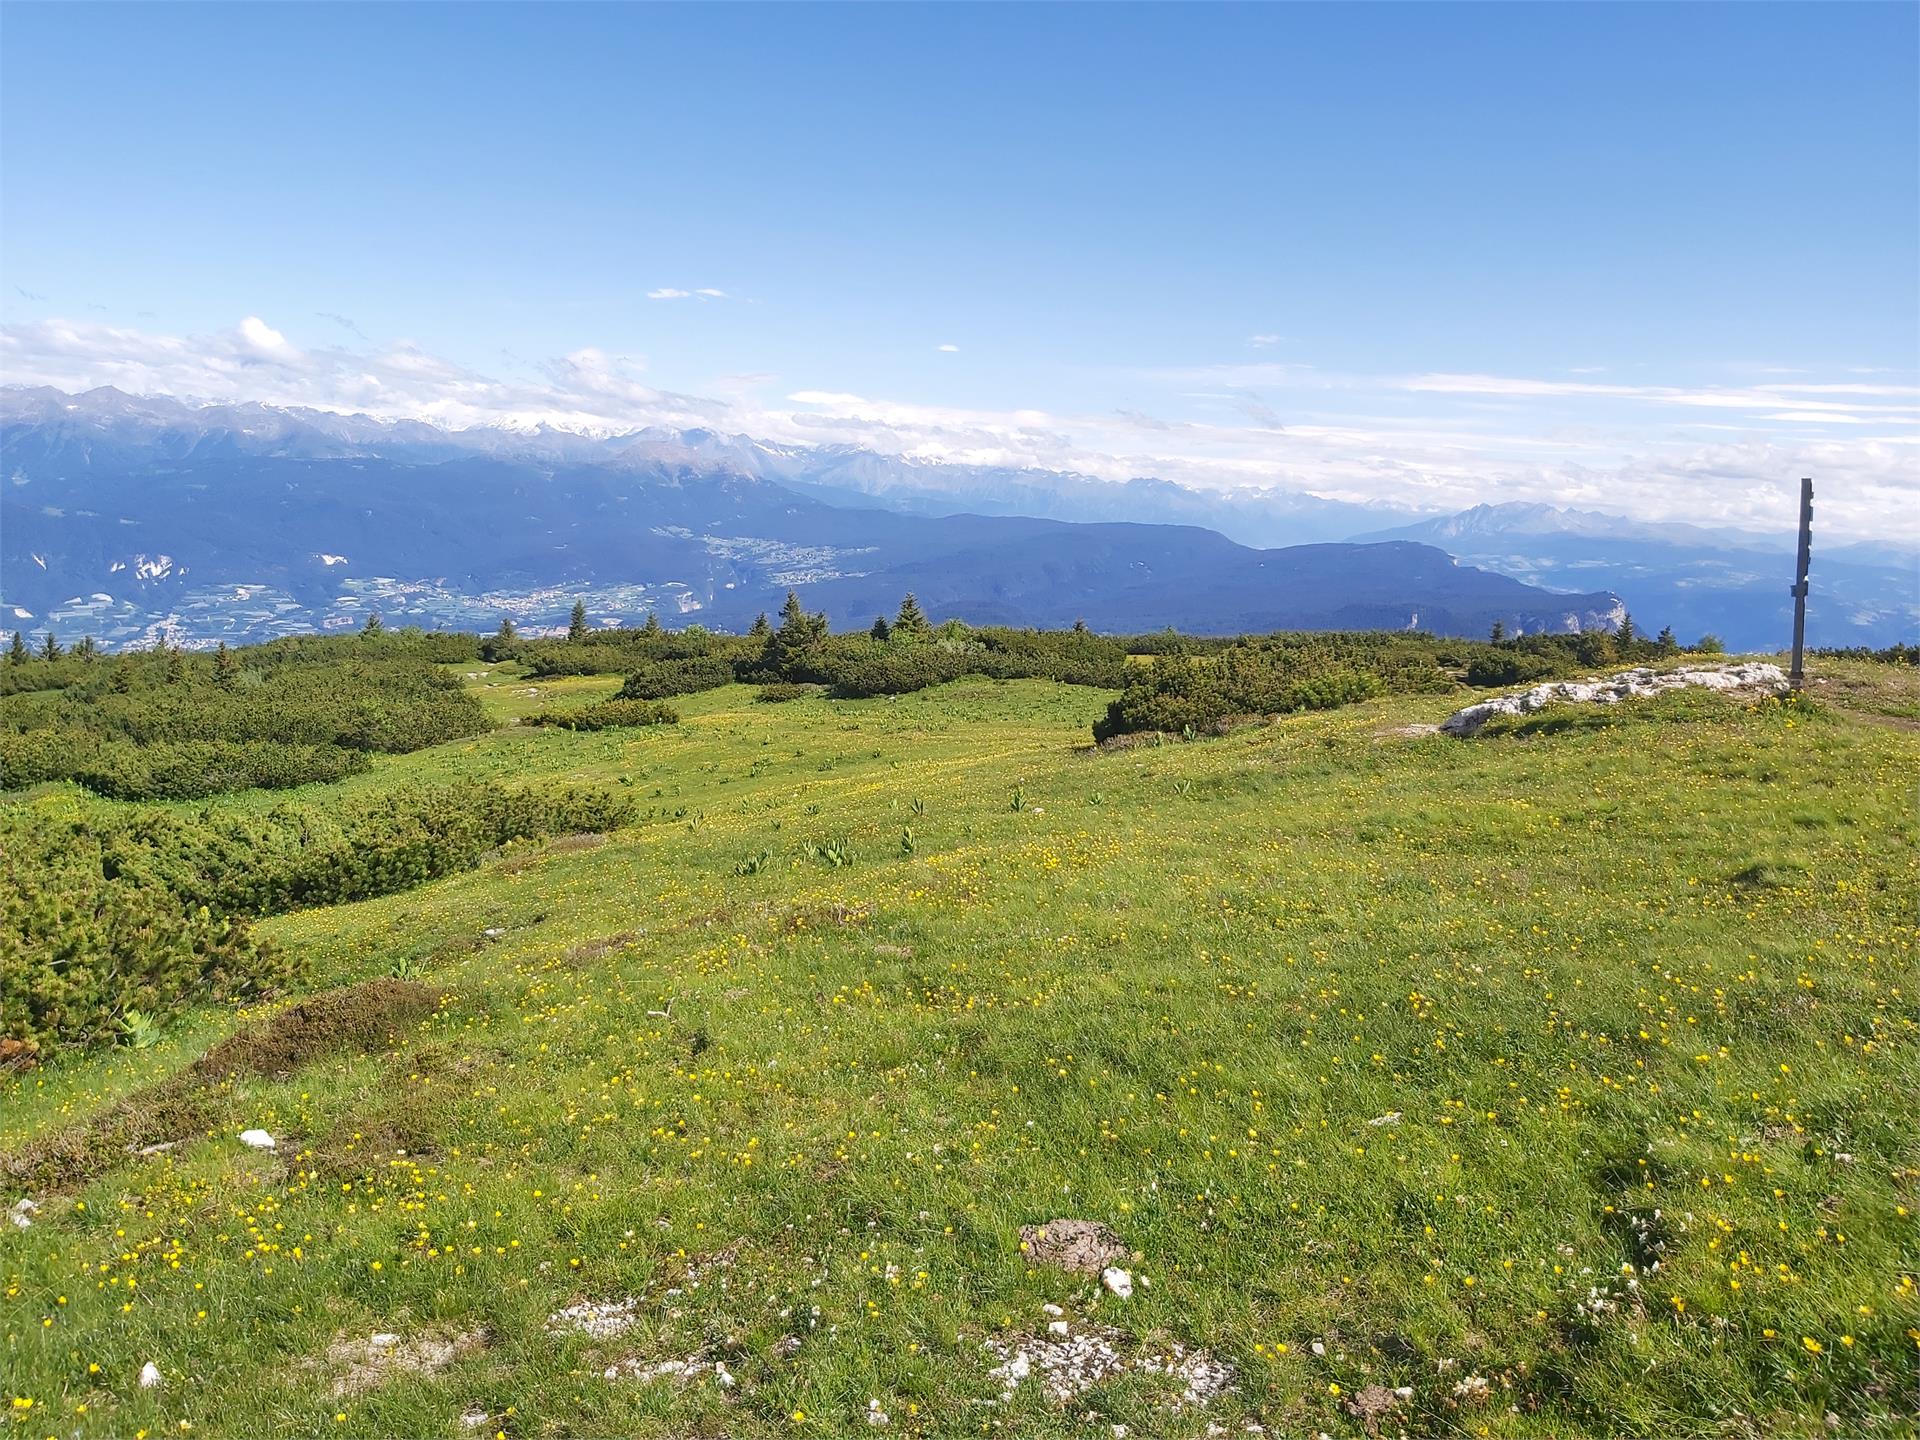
1627, 685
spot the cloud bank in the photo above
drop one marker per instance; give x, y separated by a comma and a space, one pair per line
1431, 442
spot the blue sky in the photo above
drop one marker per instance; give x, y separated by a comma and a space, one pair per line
1386, 252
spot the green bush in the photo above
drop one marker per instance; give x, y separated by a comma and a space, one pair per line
607, 715
82, 949
174, 726
662, 679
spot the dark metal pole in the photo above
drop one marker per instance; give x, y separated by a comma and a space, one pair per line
1797, 676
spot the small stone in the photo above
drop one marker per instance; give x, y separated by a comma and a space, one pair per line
1392, 1117
256, 1139
1056, 1327
1053, 1309
149, 1376
1117, 1281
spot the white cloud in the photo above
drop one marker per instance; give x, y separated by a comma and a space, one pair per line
1263, 342
948, 349
1711, 456
714, 294
667, 292
262, 336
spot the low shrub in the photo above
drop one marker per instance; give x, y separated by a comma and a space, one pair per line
80, 949
607, 715
663, 679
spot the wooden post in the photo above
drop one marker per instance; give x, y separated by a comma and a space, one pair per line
1797, 676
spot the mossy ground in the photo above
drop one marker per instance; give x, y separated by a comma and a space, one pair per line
873, 984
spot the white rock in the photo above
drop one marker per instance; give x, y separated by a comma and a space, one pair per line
1392, 1117
1118, 1281
1627, 685
149, 1376
1056, 1327
1053, 1310
22, 1212
256, 1139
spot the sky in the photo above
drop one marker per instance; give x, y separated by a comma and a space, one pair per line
1636, 258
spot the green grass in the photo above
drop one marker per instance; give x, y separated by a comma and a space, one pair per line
1661, 965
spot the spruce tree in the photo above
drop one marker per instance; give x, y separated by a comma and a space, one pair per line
1625, 637
762, 627
50, 648
652, 628
121, 681
176, 664
373, 629
506, 633
87, 649
880, 630
911, 621
577, 623
1498, 633
17, 653
226, 670
1667, 643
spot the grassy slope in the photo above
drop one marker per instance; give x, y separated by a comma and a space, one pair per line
1664, 963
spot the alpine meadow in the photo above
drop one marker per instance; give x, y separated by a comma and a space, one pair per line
1014, 720
707, 1069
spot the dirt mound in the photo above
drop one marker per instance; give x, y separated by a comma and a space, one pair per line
1084, 1245
360, 1018
357, 1019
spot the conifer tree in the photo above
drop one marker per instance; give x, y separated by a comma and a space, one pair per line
374, 628
577, 623
17, 653
911, 621
652, 628
1498, 633
87, 649
50, 648
176, 665
1667, 643
1625, 637
880, 630
226, 670
762, 627
121, 680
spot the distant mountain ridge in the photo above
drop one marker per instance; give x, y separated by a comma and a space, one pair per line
130, 518
1732, 583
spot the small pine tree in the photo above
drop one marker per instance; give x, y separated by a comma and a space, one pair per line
50, 648
87, 649
506, 632
1667, 643
1080, 628
911, 621
652, 629
176, 665
1498, 633
1626, 635
762, 627
17, 653
880, 630
226, 670
121, 681
577, 623
374, 628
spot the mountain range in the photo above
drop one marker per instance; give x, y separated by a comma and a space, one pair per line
136, 518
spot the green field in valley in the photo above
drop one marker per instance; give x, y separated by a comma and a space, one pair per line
1557, 1082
